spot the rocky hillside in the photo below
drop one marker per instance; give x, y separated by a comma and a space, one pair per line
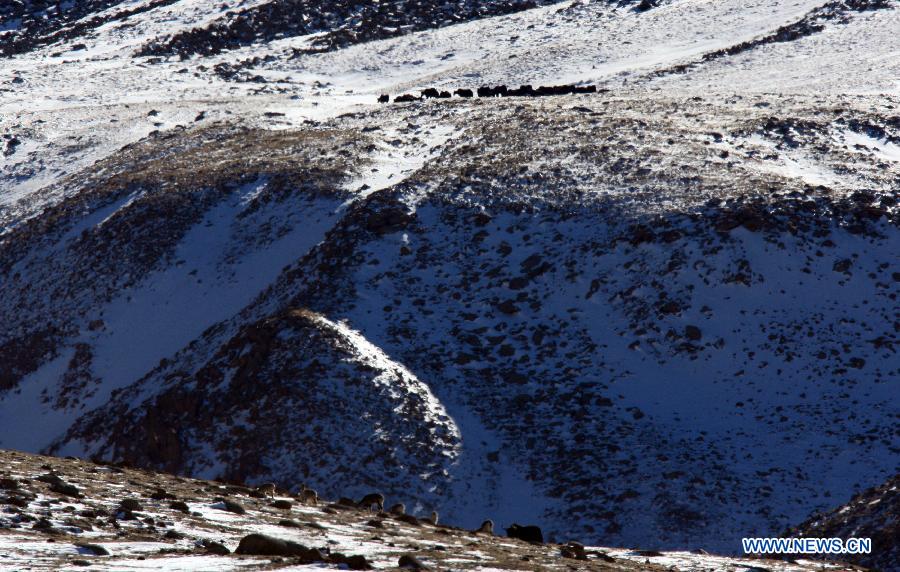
873, 513
66, 514
660, 315
526, 295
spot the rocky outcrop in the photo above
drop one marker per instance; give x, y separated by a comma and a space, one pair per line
873, 513
299, 386
338, 23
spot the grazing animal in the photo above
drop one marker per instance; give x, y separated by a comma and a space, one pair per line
487, 527
267, 489
444, 95
405, 98
522, 91
309, 496
485, 91
528, 533
463, 92
372, 499
398, 509
646, 5
430, 92
433, 519
384, 98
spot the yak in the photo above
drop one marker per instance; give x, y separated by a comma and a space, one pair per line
528, 533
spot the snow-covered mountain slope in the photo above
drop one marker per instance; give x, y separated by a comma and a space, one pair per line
661, 315
293, 397
64, 514
873, 513
664, 332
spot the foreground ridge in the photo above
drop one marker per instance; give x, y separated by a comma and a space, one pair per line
62, 513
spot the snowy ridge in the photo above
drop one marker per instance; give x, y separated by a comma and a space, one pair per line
373, 357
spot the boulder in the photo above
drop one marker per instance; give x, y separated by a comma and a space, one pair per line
130, 505
353, 562
263, 545
215, 547
231, 506
94, 549
410, 562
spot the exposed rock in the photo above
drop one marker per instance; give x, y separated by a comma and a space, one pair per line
411, 562
94, 549
214, 547
262, 545
231, 506
131, 505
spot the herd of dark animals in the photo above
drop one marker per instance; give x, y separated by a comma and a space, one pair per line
496, 91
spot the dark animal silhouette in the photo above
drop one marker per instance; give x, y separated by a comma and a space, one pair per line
267, 489
523, 91
309, 496
497, 91
528, 533
384, 98
372, 499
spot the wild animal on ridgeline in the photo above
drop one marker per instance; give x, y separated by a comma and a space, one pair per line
370, 500
267, 489
487, 527
529, 533
308, 496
